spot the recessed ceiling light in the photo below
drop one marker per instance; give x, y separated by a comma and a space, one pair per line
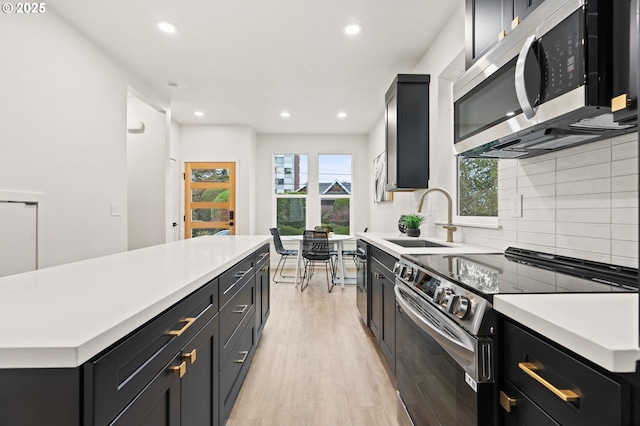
173, 84
353, 29
199, 114
285, 114
510, 114
342, 115
167, 27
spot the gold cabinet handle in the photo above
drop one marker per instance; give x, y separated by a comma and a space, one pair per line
244, 357
620, 102
507, 402
377, 275
563, 394
190, 356
188, 322
241, 274
264, 268
180, 370
241, 309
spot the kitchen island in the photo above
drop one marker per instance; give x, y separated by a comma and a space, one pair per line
113, 340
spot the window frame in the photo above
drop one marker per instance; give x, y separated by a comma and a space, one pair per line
490, 222
336, 196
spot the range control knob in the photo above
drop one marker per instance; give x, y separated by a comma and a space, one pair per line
407, 274
442, 296
396, 268
462, 307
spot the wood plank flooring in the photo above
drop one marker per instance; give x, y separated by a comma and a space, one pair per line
316, 364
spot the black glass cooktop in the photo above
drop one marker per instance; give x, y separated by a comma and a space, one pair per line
526, 271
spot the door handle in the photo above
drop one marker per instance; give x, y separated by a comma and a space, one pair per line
521, 85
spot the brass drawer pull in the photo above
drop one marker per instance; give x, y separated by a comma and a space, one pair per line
190, 356
244, 357
264, 268
180, 370
241, 274
188, 321
507, 402
241, 310
563, 394
378, 275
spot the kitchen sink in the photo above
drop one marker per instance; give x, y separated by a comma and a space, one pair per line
414, 242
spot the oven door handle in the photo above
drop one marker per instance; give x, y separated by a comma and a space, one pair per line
463, 351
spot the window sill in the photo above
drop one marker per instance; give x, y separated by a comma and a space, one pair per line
470, 224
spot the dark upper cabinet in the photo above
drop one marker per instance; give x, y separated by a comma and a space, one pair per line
488, 21
407, 132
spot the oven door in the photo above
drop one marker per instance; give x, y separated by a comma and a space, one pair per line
433, 387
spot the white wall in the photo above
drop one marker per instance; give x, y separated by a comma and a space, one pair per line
227, 144
313, 145
580, 202
147, 158
63, 133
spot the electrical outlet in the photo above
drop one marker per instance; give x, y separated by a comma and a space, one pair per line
115, 209
516, 205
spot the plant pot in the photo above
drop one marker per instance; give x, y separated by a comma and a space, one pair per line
413, 232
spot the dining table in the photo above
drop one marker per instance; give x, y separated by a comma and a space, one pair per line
337, 240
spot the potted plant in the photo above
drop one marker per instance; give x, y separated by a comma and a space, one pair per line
413, 222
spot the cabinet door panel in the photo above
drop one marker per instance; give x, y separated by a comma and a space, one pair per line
388, 340
157, 405
376, 299
199, 386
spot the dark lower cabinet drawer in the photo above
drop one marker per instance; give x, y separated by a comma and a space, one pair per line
235, 369
262, 256
234, 317
384, 258
599, 399
232, 280
123, 371
524, 411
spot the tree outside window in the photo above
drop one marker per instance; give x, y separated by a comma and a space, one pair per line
477, 186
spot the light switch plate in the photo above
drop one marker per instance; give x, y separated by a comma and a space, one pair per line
115, 209
516, 205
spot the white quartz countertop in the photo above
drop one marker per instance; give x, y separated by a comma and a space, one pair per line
64, 315
603, 328
380, 240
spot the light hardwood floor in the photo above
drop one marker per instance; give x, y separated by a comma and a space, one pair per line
316, 364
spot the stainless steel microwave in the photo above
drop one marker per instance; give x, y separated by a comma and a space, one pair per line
546, 86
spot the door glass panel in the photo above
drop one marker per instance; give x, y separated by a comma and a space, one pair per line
209, 195
209, 215
210, 175
199, 232
335, 213
291, 215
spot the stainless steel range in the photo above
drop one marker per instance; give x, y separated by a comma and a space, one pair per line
446, 326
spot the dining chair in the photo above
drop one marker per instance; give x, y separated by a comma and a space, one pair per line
284, 254
315, 249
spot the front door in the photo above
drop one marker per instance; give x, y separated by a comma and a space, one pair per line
209, 199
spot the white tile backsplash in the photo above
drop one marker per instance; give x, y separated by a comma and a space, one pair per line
587, 186
580, 202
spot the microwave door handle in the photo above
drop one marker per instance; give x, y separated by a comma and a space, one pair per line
521, 85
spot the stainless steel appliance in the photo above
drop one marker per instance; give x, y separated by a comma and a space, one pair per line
548, 85
362, 293
446, 332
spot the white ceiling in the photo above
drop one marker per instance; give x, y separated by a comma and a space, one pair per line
245, 61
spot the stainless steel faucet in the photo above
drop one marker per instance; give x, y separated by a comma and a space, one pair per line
449, 226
